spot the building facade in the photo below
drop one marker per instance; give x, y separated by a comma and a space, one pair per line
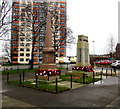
118, 51
28, 30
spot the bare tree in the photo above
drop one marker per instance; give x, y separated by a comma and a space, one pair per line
70, 39
6, 49
5, 20
111, 45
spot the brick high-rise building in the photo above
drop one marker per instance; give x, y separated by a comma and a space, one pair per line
27, 32
118, 51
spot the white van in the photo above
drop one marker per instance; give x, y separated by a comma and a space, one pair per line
116, 64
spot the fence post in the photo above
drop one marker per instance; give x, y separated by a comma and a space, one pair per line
56, 89
71, 81
60, 73
36, 76
67, 67
83, 78
106, 73
23, 75
93, 77
114, 68
101, 74
17, 69
111, 72
20, 78
7, 77
102, 69
48, 75
4, 69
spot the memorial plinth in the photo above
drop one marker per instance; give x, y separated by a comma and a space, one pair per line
48, 66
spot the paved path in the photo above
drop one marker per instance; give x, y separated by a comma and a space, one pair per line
103, 94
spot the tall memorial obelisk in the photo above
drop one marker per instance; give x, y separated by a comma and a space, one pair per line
48, 50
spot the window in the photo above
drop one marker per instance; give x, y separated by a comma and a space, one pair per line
35, 50
62, 22
16, 24
62, 17
22, 29
28, 24
14, 44
22, 24
15, 14
28, 44
14, 59
14, 19
27, 49
22, 34
15, 9
14, 49
27, 59
23, 14
14, 55
28, 29
35, 6
15, 4
22, 39
27, 54
28, 34
35, 25
62, 13
14, 39
35, 60
35, 54
21, 54
51, 7
21, 44
15, 29
21, 59
62, 4
23, 5
62, 8
28, 39
21, 49
23, 9
22, 19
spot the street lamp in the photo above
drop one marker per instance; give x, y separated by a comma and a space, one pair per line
93, 51
93, 47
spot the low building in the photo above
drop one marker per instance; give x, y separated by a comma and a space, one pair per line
118, 51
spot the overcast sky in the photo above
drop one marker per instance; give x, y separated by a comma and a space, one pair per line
97, 19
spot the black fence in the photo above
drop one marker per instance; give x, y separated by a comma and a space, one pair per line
21, 76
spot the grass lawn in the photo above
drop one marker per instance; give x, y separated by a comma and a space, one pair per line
14, 71
79, 79
42, 86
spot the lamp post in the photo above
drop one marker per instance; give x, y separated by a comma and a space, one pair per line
93, 50
93, 47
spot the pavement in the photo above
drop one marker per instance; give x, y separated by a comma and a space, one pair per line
100, 94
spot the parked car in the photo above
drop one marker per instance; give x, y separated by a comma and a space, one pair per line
103, 62
116, 64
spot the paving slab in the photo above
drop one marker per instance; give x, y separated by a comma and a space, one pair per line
67, 84
11, 102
